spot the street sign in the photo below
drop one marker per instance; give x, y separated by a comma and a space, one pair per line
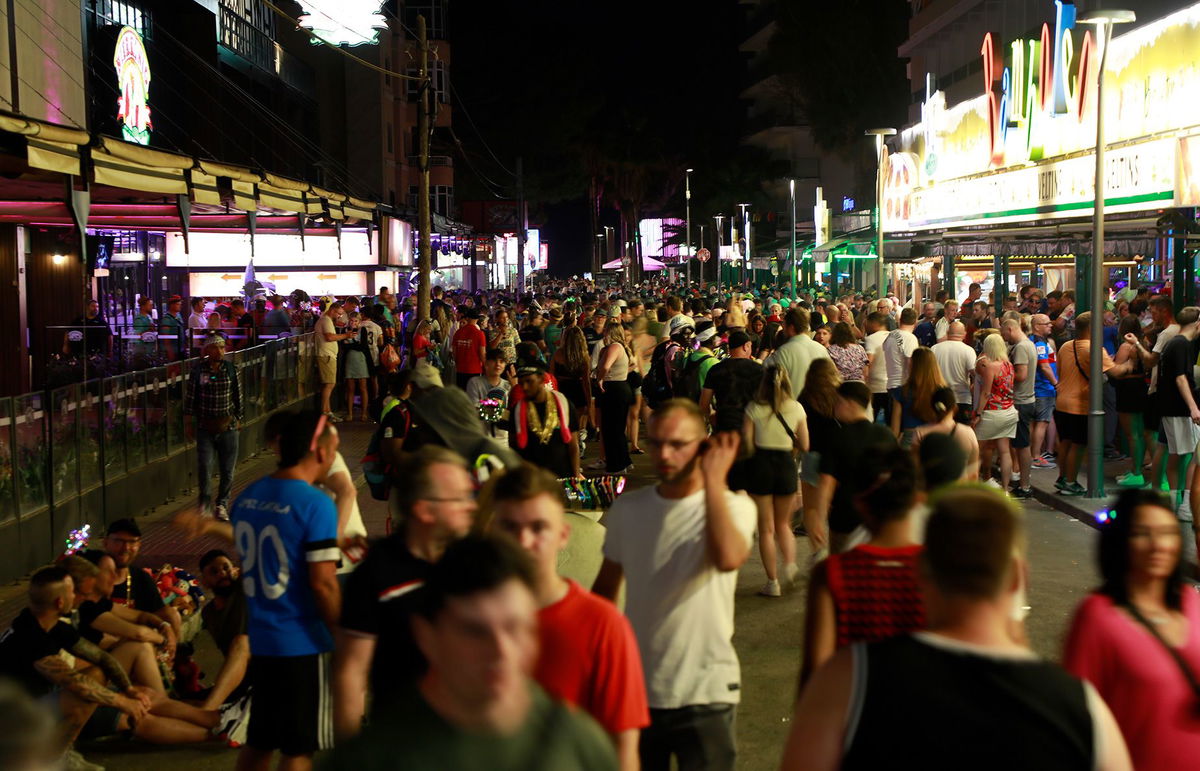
703, 254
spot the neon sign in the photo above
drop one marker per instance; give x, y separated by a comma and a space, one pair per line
1038, 85
344, 22
133, 81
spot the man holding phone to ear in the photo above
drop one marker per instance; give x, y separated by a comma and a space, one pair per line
679, 545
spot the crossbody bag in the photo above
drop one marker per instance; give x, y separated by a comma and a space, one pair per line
1184, 667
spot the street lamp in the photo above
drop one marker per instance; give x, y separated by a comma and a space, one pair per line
792, 193
687, 197
1104, 20
746, 238
719, 218
879, 134
599, 264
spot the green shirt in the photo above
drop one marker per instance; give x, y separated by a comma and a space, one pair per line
552, 335
554, 737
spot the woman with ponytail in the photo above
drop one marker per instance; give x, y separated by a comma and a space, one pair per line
943, 405
870, 592
776, 427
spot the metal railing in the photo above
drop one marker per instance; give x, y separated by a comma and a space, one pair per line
59, 443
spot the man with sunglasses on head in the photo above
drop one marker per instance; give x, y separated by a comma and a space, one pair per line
678, 545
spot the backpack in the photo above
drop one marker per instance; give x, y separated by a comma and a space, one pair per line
666, 367
687, 386
374, 469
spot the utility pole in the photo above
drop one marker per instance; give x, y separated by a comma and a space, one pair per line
701, 266
522, 226
425, 246
688, 207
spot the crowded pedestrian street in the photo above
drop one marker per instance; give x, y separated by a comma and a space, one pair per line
755, 385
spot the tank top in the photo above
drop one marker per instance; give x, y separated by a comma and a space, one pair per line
875, 592
620, 366
921, 701
1001, 396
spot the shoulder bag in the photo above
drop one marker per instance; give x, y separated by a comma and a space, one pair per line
1174, 653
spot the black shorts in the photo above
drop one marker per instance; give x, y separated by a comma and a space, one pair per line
770, 472
293, 704
1071, 428
1152, 416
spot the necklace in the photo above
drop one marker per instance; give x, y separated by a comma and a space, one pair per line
543, 431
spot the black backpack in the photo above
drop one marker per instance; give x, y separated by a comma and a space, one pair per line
666, 368
687, 386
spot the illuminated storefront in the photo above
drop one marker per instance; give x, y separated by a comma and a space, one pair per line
1007, 177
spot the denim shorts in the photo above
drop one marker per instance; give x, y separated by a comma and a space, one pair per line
1043, 409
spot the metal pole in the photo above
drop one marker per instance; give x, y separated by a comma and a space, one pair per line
1099, 293
425, 245
720, 245
522, 226
688, 213
792, 191
879, 216
702, 263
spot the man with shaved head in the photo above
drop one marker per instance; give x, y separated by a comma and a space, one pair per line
956, 360
1045, 388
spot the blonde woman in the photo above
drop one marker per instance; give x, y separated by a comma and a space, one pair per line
776, 427
995, 417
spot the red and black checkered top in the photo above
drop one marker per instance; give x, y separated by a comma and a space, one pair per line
875, 593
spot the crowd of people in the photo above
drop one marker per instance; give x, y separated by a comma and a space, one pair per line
898, 440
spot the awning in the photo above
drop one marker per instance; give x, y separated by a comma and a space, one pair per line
856, 244
131, 166
49, 147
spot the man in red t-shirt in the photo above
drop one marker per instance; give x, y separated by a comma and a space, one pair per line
470, 349
588, 654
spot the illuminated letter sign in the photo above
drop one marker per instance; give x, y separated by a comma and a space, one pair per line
995, 114
345, 22
133, 81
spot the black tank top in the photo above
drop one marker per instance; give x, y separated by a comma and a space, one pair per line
927, 707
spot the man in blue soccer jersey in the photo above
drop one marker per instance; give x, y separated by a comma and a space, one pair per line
286, 534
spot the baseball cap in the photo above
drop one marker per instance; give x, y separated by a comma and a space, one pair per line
126, 525
622, 304
738, 338
679, 323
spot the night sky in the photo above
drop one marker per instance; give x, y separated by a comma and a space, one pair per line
552, 81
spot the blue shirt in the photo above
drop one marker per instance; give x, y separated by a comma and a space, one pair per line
1045, 353
279, 526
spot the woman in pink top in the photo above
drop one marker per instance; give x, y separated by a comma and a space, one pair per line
1120, 635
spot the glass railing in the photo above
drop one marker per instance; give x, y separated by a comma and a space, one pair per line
61, 442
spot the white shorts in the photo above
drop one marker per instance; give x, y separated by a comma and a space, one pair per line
1181, 433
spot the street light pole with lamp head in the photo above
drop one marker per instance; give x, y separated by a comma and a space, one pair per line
1104, 20
719, 218
687, 198
792, 194
879, 134
746, 250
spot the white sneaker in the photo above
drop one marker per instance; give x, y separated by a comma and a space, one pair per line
1184, 512
231, 715
1016, 476
993, 483
771, 589
73, 761
599, 465
791, 572
221, 512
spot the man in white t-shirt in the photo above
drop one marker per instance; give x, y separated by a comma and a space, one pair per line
949, 314
897, 357
957, 360
679, 545
800, 350
877, 332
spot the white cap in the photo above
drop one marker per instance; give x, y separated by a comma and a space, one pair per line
677, 323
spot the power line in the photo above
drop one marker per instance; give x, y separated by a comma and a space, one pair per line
462, 105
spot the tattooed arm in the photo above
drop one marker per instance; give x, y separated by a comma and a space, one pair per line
58, 671
111, 668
